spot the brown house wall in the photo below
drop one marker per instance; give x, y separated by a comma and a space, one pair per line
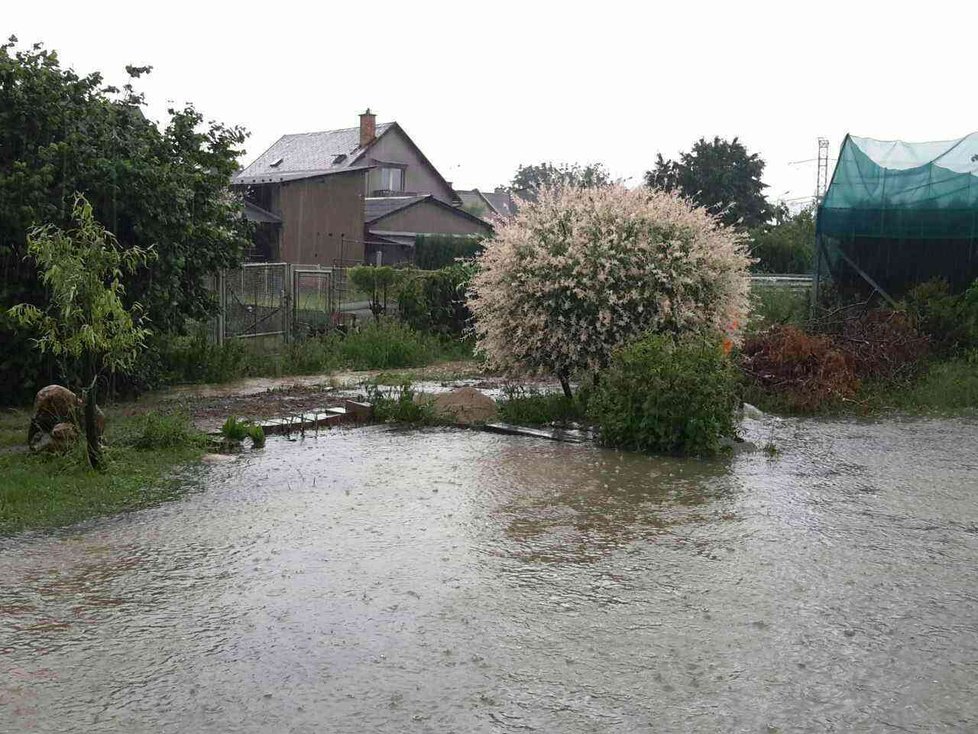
426, 218
322, 220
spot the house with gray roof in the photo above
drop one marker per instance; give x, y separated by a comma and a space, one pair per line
343, 197
488, 204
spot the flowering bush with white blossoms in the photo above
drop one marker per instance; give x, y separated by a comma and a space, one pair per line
579, 272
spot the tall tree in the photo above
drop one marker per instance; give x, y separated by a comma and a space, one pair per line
164, 186
540, 175
786, 245
720, 175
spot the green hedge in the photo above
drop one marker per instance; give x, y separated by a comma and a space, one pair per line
432, 252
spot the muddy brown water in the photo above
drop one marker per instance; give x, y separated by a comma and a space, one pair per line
377, 580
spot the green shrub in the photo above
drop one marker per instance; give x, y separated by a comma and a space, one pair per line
401, 404
432, 252
669, 395
787, 246
772, 305
951, 321
163, 431
380, 283
434, 300
532, 408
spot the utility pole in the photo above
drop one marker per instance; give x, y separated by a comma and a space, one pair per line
822, 180
821, 186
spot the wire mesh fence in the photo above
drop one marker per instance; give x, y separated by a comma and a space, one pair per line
280, 300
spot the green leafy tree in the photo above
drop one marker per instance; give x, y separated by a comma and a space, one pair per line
787, 245
378, 282
165, 185
719, 175
547, 175
86, 324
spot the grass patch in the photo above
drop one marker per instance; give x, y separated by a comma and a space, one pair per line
532, 408
775, 304
944, 388
46, 491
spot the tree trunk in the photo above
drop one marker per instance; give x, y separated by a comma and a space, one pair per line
565, 384
92, 438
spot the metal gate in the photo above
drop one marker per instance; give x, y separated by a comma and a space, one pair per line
314, 300
254, 301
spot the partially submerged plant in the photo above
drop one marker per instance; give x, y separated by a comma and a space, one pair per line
237, 430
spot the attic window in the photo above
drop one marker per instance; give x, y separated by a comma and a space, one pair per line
339, 159
276, 163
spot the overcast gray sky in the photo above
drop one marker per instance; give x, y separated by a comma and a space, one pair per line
483, 87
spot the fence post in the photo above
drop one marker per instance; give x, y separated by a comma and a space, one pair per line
288, 298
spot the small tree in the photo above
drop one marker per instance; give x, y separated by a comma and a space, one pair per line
86, 325
580, 272
378, 282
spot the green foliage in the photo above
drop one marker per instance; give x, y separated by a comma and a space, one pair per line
86, 326
667, 395
192, 358
787, 245
379, 282
401, 404
720, 175
237, 430
533, 408
434, 251
772, 305
547, 175
435, 301
945, 387
164, 431
950, 320
165, 186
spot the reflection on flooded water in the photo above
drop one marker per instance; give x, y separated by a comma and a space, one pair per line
383, 580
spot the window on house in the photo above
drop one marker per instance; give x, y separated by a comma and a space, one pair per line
391, 179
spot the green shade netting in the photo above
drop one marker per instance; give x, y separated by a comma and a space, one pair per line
893, 189
902, 213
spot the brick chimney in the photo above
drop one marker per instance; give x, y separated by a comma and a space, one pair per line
368, 128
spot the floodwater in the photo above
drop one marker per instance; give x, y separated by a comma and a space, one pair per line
376, 580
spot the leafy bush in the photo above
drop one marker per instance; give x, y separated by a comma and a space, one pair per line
163, 431
951, 321
531, 408
665, 394
579, 272
435, 300
787, 246
378, 282
803, 371
433, 252
401, 404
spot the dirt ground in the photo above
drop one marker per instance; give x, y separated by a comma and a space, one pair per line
261, 398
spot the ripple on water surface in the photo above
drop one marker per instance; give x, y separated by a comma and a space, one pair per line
386, 580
